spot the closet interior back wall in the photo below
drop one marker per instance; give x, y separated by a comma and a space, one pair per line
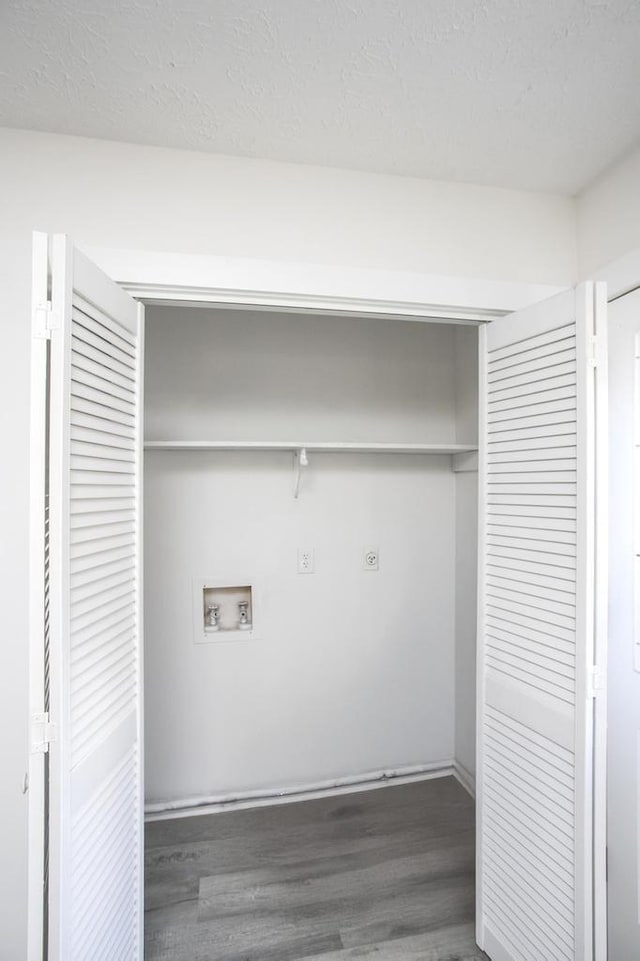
349, 670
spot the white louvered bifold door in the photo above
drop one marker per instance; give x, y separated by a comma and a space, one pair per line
95, 897
539, 606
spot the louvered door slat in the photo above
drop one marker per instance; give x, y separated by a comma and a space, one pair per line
106, 639
523, 385
98, 637
96, 390
87, 374
82, 346
533, 648
536, 458
82, 417
90, 472
520, 342
529, 652
560, 417
108, 541
559, 910
107, 516
534, 531
555, 368
84, 565
93, 333
528, 596
536, 395
505, 582
536, 568
90, 573
537, 754
87, 592
89, 314
88, 505
534, 412
531, 632
532, 440
516, 596
536, 514
87, 401
536, 357
104, 438
116, 637
535, 893
537, 857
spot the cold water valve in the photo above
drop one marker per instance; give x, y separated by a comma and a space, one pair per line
243, 616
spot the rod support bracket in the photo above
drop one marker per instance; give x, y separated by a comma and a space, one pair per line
300, 461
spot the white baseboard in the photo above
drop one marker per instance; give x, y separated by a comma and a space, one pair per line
189, 807
465, 778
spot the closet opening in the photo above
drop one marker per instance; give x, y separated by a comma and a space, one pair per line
310, 565
310, 579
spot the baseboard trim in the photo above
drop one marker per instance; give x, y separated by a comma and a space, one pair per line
212, 804
465, 778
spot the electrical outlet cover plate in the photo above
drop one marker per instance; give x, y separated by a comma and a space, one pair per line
371, 559
305, 560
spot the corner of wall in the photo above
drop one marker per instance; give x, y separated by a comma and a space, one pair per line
608, 215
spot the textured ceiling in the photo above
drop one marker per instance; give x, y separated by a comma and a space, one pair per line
538, 94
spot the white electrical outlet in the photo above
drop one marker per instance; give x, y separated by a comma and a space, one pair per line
305, 560
371, 559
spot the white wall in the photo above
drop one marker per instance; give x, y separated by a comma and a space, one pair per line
466, 620
119, 195
353, 670
608, 215
123, 195
15, 255
231, 375
466, 534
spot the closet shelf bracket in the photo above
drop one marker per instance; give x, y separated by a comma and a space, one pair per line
300, 461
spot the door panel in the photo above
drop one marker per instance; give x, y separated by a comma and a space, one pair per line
624, 629
537, 638
95, 524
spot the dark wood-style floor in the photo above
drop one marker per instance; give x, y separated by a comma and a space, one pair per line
385, 875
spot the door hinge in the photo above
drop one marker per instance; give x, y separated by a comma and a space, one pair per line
596, 682
45, 320
43, 732
596, 350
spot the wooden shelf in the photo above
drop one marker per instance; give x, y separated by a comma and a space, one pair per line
329, 447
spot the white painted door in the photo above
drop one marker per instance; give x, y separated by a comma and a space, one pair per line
624, 629
95, 788
542, 597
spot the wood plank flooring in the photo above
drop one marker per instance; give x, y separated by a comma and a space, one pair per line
385, 875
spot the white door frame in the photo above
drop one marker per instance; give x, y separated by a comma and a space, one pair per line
38, 735
622, 276
166, 278
159, 278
